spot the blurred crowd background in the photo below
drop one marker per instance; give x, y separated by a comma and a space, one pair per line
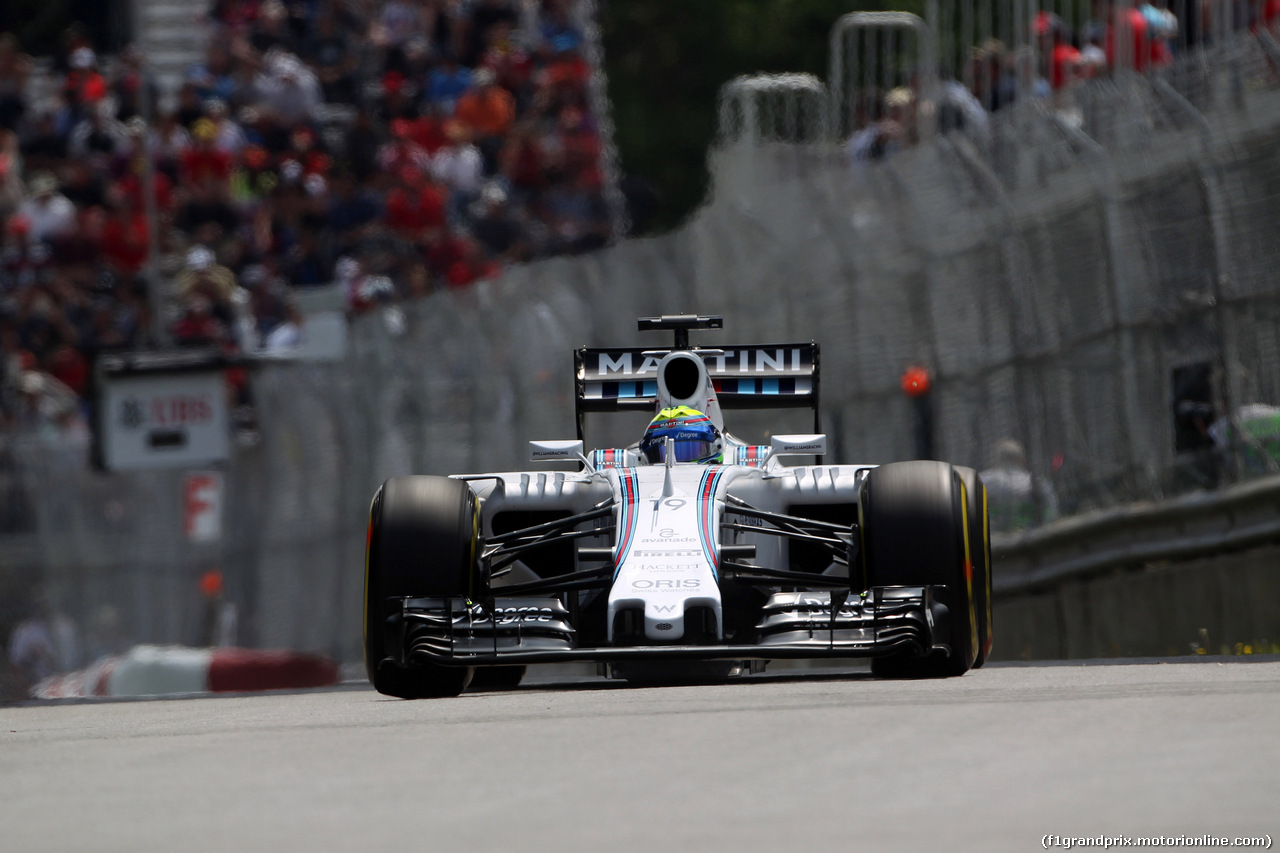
390, 148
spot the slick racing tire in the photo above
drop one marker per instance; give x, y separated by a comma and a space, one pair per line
914, 534
421, 542
498, 677
980, 553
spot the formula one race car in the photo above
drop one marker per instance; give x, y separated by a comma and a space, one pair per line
687, 556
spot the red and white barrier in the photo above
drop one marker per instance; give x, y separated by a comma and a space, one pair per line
166, 670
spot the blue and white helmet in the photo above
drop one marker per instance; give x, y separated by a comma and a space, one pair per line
696, 438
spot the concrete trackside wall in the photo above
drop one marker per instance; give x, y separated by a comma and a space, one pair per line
1224, 604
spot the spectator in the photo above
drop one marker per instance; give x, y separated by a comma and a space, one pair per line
125, 239
11, 190
416, 204
510, 62
352, 210
522, 162
219, 620
486, 16
330, 53
46, 407
98, 136
403, 151
884, 136
446, 83
1017, 498
1129, 41
135, 91
398, 21
487, 111
1055, 46
211, 300
289, 89
32, 650
308, 263
959, 111
1270, 14
168, 141
271, 31
471, 265
1093, 56
559, 33
204, 161
228, 137
287, 335
84, 88
1258, 426
48, 214
578, 146
459, 167
236, 15
500, 234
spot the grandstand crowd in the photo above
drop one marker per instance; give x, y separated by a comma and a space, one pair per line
392, 147
1137, 35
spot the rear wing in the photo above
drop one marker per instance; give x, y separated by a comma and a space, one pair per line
770, 376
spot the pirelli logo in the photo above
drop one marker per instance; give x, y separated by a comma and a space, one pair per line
664, 554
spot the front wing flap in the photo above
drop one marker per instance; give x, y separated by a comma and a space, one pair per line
525, 630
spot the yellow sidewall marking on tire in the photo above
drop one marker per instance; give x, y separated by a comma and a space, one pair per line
989, 639
368, 546
968, 569
475, 538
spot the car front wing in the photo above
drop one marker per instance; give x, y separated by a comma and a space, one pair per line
792, 625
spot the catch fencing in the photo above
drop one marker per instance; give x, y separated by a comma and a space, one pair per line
1058, 278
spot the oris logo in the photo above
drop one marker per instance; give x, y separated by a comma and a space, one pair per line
667, 584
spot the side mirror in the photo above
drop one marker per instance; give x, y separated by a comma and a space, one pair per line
555, 451
814, 444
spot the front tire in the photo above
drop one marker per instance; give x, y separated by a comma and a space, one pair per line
421, 542
914, 533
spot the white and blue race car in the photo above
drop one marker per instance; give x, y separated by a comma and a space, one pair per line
658, 569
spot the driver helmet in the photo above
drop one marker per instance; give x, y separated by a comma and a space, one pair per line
696, 438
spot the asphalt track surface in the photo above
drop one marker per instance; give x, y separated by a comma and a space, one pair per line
991, 761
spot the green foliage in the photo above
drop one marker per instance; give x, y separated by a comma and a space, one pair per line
666, 62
